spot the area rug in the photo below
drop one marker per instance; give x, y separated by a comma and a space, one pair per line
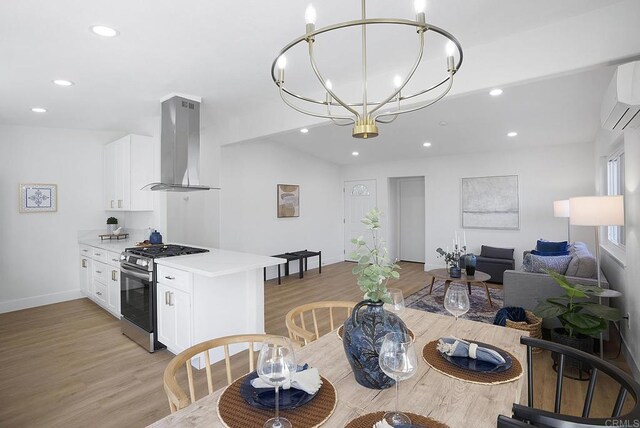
479, 311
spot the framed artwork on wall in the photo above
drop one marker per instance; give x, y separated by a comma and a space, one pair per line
38, 198
491, 203
288, 200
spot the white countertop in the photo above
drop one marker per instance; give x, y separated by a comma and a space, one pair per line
219, 262
110, 245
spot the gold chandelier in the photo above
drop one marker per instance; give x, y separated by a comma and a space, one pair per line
364, 115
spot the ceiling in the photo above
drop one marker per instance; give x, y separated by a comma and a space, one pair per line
559, 110
222, 51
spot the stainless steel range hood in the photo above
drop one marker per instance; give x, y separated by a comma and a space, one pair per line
179, 147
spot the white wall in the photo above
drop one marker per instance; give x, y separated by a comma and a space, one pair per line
623, 272
545, 174
250, 173
39, 251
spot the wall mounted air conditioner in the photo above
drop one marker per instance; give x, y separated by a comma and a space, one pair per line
621, 104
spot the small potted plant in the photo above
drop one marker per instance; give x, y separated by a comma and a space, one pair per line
581, 318
366, 328
112, 224
452, 259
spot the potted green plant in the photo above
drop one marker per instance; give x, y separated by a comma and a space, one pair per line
112, 224
365, 330
581, 318
452, 259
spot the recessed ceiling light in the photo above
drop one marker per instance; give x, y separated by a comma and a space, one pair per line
495, 92
512, 134
62, 82
355, 153
304, 130
103, 31
427, 144
39, 110
442, 123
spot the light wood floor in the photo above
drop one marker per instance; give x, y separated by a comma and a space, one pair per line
67, 365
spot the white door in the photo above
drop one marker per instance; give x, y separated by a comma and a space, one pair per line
359, 198
166, 317
412, 219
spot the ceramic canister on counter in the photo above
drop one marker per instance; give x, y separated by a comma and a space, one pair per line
155, 237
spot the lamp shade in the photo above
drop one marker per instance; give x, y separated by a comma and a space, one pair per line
597, 211
561, 208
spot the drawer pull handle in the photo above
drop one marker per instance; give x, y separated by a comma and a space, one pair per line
98, 271
170, 277
85, 251
97, 254
113, 275
170, 298
98, 293
115, 260
84, 263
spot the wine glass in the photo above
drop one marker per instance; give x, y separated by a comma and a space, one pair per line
456, 301
397, 300
276, 362
397, 360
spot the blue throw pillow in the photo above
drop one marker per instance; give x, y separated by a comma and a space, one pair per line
550, 253
551, 247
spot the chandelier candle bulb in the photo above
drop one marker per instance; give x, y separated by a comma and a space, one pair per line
397, 81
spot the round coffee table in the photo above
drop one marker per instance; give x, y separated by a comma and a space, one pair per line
480, 278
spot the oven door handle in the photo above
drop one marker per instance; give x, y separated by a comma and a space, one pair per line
133, 273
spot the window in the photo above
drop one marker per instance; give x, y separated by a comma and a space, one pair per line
615, 186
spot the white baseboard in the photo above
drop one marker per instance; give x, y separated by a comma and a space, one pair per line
272, 271
45, 299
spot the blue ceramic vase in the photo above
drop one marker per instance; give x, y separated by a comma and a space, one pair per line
470, 264
364, 332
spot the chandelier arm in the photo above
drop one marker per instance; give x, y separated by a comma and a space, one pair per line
335, 122
314, 67
435, 100
406, 80
310, 113
387, 121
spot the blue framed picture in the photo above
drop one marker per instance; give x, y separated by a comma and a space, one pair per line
36, 198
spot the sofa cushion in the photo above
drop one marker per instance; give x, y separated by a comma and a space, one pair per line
550, 253
538, 264
496, 253
545, 246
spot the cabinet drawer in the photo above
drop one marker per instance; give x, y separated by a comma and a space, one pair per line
100, 292
85, 250
113, 259
99, 254
176, 278
101, 272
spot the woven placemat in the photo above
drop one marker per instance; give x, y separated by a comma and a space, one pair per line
340, 331
234, 412
368, 420
432, 356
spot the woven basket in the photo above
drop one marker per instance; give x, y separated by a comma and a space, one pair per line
533, 326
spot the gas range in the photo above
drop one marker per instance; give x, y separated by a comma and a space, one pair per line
142, 257
138, 291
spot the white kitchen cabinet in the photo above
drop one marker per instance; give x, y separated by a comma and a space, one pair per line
85, 273
113, 291
100, 277
129, 166
174, 318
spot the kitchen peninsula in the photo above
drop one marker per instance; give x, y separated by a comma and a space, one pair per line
198, 296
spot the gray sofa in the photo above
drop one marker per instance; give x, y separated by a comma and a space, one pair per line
526, 289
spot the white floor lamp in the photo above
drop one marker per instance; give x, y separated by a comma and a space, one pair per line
561, 210
597, 211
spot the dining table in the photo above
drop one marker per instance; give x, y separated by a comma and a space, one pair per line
454, 402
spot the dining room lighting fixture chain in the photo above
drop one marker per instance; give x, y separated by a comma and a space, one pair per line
364, 115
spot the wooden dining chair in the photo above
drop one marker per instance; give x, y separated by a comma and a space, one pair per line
178, 399
594, 365
298, 318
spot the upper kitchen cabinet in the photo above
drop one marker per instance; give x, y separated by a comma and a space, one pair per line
128, 166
